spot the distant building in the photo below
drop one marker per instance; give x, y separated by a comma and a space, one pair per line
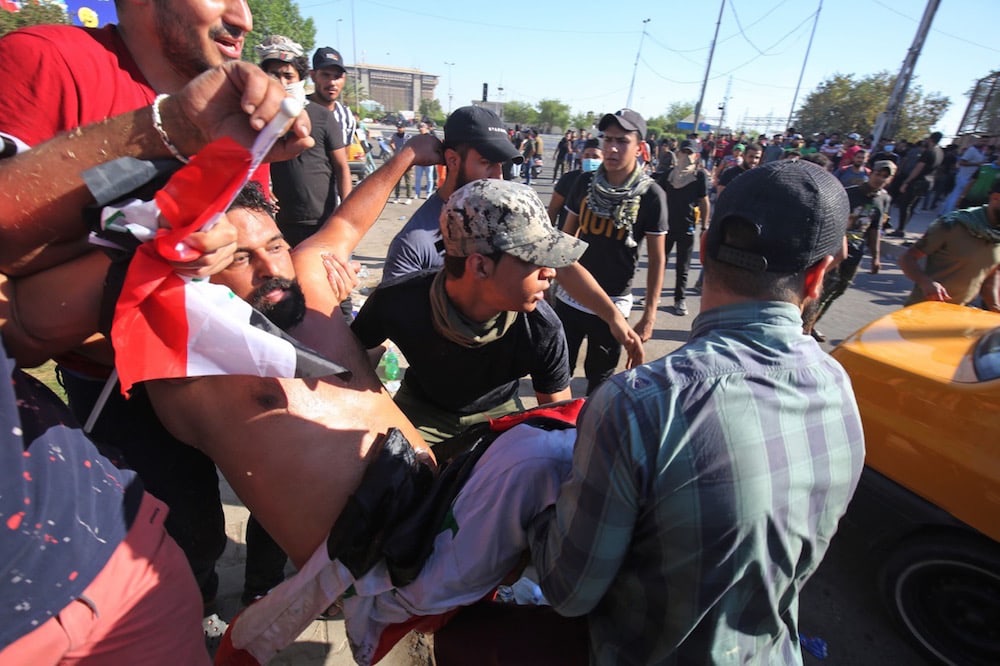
495, 107
395, 88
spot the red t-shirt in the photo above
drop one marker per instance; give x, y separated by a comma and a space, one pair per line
848, 157
67, 77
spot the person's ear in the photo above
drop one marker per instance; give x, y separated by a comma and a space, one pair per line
814, 277
479, 266
452, 159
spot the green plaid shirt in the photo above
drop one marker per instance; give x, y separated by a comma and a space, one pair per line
706, 487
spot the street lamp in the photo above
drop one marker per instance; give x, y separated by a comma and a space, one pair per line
450, 79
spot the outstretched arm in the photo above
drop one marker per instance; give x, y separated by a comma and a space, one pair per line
910, 264
581, 285
342, 232
41, 191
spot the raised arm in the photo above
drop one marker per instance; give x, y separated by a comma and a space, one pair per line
342, 232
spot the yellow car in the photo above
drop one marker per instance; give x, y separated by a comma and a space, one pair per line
927, 380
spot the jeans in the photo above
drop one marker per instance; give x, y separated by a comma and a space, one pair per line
425, 173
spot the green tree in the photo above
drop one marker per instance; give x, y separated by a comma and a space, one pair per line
666, 123
431, 108
521, 113
552, 113
584, 121
278, 17
353, 94
32, 13
844, 103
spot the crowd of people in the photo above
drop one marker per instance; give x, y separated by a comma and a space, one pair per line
672, 518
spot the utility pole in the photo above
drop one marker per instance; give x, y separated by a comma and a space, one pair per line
450, 65
795, 98
635, 67
886, 122
725, 103
357, 71
708, 68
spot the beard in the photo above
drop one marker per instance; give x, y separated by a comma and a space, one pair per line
181, 44
810, 312
287, 312
463, 176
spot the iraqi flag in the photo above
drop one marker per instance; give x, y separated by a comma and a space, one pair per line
169, 326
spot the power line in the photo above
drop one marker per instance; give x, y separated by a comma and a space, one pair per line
964, 40
732, 8
498, 26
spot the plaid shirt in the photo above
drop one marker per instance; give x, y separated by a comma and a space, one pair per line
706, 487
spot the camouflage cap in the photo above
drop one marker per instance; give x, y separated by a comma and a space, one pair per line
490, 215
278, 47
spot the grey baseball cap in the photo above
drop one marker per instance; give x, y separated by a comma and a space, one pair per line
491, 215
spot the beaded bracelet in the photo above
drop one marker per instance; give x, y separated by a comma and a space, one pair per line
158, 126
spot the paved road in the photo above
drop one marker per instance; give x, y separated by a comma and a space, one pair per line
838, 605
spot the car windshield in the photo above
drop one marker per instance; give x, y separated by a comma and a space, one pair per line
986, 357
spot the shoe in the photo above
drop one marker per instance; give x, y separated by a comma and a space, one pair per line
396, 200
898, 233
817, 335
406, 202
680, 308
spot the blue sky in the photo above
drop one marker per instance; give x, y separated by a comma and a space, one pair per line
583, 53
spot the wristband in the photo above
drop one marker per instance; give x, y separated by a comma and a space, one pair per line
158, 126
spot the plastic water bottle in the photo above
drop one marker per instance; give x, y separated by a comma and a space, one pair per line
390, 364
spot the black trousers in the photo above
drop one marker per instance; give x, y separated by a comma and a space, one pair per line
603, 351
837, 280
908, 200
684, 241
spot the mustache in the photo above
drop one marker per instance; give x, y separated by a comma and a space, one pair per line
227, 29
258, 294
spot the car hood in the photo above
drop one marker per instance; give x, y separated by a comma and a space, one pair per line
931, 339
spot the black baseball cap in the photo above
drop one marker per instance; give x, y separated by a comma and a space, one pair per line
792, 213
327, 57
483, 130
627, 119
694, 145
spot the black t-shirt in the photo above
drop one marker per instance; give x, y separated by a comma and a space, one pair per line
868, 206
564, 186
456, 378
682, 201
562, 148
304, 185
931, 158
608, 257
